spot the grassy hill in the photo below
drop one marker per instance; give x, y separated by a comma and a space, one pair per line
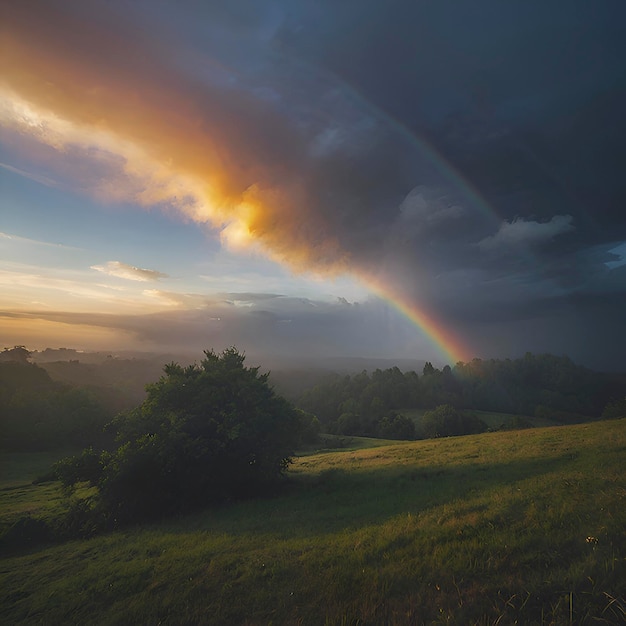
526, 526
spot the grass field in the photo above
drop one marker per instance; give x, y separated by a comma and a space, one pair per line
505, 527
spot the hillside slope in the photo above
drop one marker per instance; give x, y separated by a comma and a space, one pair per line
493, 528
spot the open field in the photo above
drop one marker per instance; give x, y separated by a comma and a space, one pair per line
488, 529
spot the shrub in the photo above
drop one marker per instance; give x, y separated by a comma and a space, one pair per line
205, 433
84, 467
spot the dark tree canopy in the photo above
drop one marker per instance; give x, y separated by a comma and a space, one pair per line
396, 426
37, 413
615, 409
19, 354
205, 433
543, 386
446, 421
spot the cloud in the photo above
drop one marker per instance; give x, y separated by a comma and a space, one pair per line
618, 256
35, 242
299, 328
318, 176
428, 205
38, 178
214, 152
129, 272
24, 286
521, 232
292, 130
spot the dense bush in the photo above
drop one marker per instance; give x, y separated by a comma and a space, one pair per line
205, 433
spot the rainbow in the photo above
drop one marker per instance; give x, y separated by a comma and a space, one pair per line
443, 339
450, 173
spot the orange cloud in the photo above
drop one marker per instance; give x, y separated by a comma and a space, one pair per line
87, 86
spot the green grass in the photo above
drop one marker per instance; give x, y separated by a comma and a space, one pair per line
18, 497
523, 526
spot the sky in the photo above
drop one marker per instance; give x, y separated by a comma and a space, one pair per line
399, 179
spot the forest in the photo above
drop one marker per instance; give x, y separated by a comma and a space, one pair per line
67, 404
540, 386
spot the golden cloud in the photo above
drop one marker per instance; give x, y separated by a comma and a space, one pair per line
90, 88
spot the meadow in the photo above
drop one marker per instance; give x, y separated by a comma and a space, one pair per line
499, 528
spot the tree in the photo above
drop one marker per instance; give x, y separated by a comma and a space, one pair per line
18, 353
396, 426
205, 433
310, 427
349, 424
37, 413
615, 409
446, 421
428, 369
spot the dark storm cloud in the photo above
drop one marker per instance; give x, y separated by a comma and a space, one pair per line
525, 101
375, 120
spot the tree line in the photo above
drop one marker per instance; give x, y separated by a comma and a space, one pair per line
37, 413
543, 386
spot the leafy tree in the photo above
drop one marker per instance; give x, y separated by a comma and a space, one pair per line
84, 467
19, 354
349, 424
446, 421
437, 422
396, 426
615, 409
310, 427
376, 408
428, 369
204, 433
37, 413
